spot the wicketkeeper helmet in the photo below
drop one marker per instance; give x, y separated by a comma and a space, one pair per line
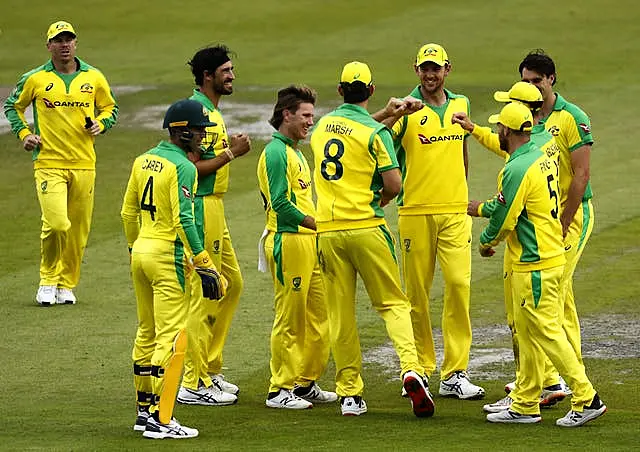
187, 113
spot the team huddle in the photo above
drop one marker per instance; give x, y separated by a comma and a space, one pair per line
186, 276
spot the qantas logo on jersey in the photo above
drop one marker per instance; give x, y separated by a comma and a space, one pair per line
57, 103
186, 192
435, 139
585, 128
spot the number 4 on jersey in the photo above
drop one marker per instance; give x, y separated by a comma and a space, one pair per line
148, 206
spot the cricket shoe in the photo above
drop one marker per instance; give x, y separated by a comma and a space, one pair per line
552, 395
65, 296
418, 393
314, 393
458, 385
284, 398
156, 430
223, 385
46, 295
352, 406
500, 405
589, 413
211, 396
565, 387
141, 420
509, 387
511, 417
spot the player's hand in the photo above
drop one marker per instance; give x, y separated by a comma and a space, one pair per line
193, 156
31, 141
395, 108
566, 222
486, 251
472, 208
412, 104
214, 285
94, 129
463, 121
309, 222
240, 144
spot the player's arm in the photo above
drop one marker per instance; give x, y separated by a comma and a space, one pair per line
14, 108
106, 104
396, 109
382, 148
484, 135
239, 144
183, 188
278, 183
130, 212
506, 210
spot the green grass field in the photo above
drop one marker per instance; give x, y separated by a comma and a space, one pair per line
67, 381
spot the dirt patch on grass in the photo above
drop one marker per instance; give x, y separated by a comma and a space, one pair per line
611, 337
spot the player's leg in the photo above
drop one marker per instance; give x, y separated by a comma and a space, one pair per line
80, 210
284, 252
51, 187
418, 243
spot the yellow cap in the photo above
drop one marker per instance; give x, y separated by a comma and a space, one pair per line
434, 53
59, 27
521, 92
515, 116
356, 72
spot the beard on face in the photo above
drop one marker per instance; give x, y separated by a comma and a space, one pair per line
220, 88
504, 143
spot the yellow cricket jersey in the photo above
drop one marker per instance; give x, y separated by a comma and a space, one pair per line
284, 179
60, 104
215, 143
430, 154
526, 211
540, 137
571, 128
158, 203
350, 150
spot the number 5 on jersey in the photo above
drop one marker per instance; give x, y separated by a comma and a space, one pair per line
147, 194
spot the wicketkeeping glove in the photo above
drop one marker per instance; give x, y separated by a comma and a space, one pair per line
214, 285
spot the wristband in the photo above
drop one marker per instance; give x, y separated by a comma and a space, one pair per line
229, 154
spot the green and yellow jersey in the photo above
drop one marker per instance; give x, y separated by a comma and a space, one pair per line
539, 135
526, 211
350, 150
215, 143
571, 128
431, 158
158, 203
284, 179
60, 104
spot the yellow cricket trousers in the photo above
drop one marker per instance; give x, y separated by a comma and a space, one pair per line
537, 317
370, 253
159, 272
300, 333
446, 237
66, 203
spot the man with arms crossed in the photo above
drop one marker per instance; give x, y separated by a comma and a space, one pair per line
433, 222
157, 213
525, 213
300, 334
204, 383
356, 173
72, 104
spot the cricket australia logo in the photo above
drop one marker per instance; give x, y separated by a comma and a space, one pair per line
296, 282
407, 245
86, 88
43, 186
554, 130
216, 246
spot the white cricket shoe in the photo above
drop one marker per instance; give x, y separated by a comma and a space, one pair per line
314, 393
458, 385
155, 430
284, 398
46, 295
211, 396
141, 420
576, 419
65, 296
500, 405
565, 387
353, 406
418, 393
511, 417
552, 395
223, 385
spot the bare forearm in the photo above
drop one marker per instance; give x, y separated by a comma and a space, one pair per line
574, 197
206, 167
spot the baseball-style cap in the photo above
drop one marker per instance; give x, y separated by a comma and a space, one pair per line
356, 72
434, 53
515, 116
521, 92
59, 27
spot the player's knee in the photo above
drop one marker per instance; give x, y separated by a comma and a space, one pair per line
236, 282
58, 224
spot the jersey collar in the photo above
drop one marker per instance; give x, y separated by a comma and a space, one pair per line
48, 66
203, 99
560, 103
522, 150
353, 107
281, 137
171, 147
418, 94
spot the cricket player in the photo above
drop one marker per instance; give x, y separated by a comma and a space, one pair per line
300, 333
433, 223
526, 214
159, 225
203, 382
555, 389
356, 173
72, 104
